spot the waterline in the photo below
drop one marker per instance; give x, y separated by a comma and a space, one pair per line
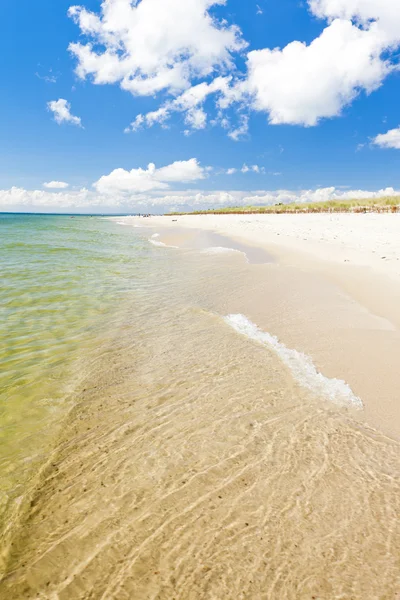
300, 365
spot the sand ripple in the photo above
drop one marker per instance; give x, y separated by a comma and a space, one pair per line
194, 468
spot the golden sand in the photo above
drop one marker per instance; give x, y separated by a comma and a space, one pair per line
195, 468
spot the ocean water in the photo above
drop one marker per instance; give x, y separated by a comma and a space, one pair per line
61, 280
157, 443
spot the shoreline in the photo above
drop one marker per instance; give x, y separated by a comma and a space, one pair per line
330, 294
339, 243
195, 462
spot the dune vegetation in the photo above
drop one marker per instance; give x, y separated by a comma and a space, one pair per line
379, 205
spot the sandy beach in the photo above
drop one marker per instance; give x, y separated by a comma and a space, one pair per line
200, 300
233, 431
367, 240
334, 293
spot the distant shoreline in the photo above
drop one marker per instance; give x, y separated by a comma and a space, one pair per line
373, 205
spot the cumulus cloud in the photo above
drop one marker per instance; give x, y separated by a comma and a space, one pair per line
156, 200
152, 45
56, 185
302, 84
157, 116
62, 112
190, 102
385, 13
391, 139
20, 199
146, 180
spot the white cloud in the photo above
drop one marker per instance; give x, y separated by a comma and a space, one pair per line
190, 102
62, 112
60, 185
148, 46
157, 200
196, 118
302, 84
241, 130
156, 116
391, 139
146, 180
22, 199
152, 45
231, 171
182, 171
49, 78
252, 168
136, 124
384, 12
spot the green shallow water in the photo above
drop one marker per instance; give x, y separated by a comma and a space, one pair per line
62, 282
192, 464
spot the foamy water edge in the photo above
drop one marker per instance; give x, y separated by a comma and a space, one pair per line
156, 242
300, 365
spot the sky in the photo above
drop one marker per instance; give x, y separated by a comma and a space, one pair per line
129, 106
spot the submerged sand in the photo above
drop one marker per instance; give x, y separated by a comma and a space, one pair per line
334, 294
196, 467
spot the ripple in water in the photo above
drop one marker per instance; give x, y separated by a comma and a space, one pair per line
194, 466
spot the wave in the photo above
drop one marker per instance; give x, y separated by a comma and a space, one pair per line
300, 365
127, 224
155, 242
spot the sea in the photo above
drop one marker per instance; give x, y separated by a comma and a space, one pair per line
157, 442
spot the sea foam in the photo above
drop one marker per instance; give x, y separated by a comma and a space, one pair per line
156, 242
300, 365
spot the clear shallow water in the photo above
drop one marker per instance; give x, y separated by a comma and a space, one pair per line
60, 283
191, 465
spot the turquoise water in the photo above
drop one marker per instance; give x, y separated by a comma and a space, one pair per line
63, 280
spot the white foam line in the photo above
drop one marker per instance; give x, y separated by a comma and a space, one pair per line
125, 223
159, 244
301, 365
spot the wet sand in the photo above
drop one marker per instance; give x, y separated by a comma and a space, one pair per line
343, 312
195, 467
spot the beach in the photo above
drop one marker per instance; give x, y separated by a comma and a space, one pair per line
344, 270
200, 300
234, 432
367, 240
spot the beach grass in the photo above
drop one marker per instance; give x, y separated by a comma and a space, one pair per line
385, 204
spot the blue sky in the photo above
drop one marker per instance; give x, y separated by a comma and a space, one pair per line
260, 101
